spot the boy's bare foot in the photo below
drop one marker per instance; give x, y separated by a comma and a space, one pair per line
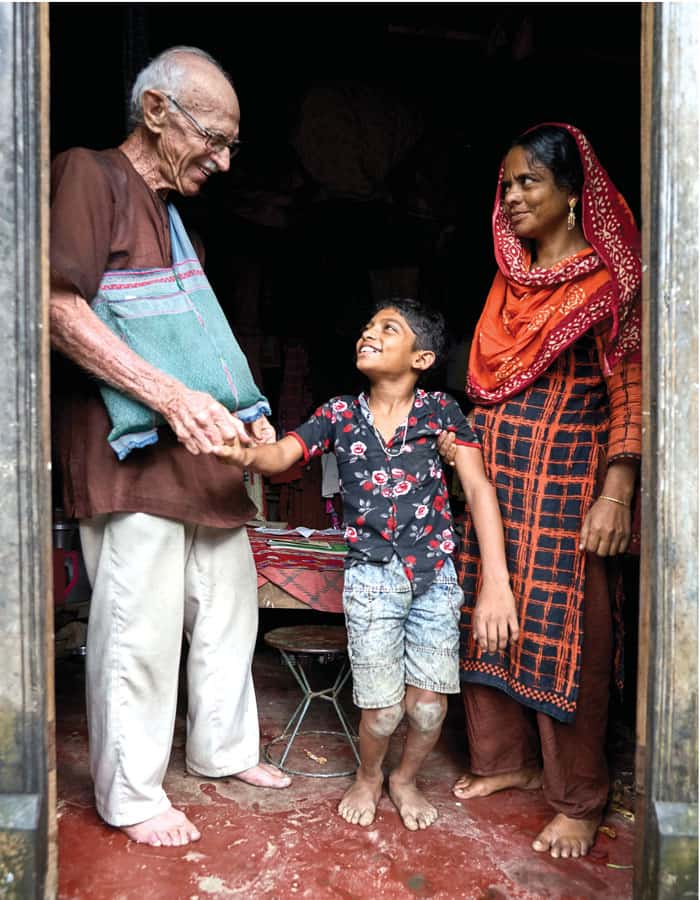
359, 803
264, 775
565, 837
169, 829
415, 811
469, 786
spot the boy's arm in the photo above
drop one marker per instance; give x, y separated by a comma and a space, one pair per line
268, 459
494, 617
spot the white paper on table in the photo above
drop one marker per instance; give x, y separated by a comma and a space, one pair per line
302, 530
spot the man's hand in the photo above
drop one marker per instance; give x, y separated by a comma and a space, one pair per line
494, 621
200, 422
261, 432
447, 448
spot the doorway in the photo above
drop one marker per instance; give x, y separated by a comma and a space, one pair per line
370, 144
130, 37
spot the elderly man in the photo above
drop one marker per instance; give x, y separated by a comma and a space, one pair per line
162, 530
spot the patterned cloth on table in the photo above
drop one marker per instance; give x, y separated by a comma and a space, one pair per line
314, 578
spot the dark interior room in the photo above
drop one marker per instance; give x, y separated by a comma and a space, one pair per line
371, 137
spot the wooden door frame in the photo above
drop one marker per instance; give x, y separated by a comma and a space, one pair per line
27, 766
666, 852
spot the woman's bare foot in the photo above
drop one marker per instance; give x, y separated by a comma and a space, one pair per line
264, 775
469, 786
415, 811
565, 837
169, 829
359, 803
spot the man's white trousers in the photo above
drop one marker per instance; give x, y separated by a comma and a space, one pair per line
153, 577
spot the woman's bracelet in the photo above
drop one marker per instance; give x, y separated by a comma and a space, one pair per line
613, 500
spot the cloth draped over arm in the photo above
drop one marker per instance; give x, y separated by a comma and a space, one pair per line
172, 319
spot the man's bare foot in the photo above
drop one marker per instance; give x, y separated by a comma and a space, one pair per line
264, 775
169, 829
415, 811
565, 837
469, 786
359, 803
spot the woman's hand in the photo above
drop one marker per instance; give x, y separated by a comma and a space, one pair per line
607, 528
494, 620
447, 448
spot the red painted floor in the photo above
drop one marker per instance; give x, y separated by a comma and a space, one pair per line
291, 843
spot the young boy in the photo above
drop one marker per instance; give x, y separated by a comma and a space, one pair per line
401, 597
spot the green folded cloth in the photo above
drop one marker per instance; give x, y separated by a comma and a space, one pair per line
172, 319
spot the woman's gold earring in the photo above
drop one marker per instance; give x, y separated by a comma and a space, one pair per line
571, 221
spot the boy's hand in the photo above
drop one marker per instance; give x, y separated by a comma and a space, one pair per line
232, 452
447, 448
494, 620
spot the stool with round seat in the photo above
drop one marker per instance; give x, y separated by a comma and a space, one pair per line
298, 645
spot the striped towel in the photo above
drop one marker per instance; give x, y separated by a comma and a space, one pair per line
172, 319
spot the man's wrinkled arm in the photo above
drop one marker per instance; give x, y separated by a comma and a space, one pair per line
81, 336
199, 421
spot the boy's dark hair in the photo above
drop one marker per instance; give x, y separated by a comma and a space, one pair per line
426, 323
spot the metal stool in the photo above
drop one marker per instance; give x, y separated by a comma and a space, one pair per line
325, 643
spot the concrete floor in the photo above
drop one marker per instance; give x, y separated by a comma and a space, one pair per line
291, 843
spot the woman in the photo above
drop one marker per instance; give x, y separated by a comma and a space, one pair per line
555, 373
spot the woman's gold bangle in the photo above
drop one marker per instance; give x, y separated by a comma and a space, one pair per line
613, 500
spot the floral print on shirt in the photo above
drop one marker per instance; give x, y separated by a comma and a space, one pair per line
395, 500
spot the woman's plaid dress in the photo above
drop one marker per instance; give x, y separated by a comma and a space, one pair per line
546, 450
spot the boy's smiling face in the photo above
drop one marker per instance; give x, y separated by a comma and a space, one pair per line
387, 346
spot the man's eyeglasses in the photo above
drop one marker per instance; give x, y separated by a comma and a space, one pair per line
213, 141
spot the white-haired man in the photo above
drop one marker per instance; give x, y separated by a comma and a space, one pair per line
162, 530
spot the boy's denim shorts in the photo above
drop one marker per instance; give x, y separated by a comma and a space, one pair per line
394, 638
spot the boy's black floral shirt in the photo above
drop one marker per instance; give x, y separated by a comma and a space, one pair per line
392, 504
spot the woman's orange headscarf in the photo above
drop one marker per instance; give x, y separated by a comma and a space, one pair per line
532, 315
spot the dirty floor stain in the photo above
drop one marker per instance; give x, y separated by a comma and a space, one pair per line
291, 843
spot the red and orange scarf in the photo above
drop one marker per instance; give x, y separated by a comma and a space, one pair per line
532, 315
